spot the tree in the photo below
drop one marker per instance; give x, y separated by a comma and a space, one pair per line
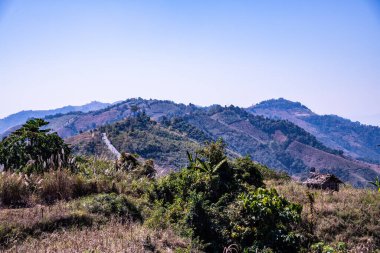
33, 148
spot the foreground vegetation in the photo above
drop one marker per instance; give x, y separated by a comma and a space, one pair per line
215, 204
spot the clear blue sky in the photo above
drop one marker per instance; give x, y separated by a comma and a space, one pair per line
323, 53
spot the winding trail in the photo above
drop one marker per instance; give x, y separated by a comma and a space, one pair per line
161, 171
110, 146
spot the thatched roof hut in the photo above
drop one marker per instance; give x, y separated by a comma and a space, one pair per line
323, 181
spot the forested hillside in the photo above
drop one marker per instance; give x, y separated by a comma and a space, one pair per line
276, 143
357, 140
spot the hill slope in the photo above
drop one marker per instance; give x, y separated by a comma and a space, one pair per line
355, 139
140, 135
276, 143
21, 117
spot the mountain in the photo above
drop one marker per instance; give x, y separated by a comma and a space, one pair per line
21, 117
138, 135
354, 139
279, 144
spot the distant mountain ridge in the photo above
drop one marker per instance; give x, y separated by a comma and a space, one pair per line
279, 144
357, 140
21, 117
278, 133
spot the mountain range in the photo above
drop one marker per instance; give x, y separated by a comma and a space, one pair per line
278, 133
21, 117
354, 139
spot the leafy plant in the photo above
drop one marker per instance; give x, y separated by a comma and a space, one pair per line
376, 183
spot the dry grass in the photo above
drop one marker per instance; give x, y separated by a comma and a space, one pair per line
20, 190
63, 227
351, 215
18, 224
28, 217
13, 189
112, 237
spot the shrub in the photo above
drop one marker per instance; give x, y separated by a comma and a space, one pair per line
262, 219
220, 203
268, 173
130, 163
247, 172
321, 247
112, 204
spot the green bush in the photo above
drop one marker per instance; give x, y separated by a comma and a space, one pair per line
246, 172
219, 203
268, 173
112, 205
321, 247
262, 219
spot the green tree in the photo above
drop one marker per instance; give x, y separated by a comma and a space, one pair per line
33, 148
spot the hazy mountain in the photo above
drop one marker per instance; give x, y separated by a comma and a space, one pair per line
21, 117
357, 140
279, 144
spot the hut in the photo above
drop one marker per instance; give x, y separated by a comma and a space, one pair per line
323, 181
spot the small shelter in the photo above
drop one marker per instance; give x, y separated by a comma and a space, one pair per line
323, 181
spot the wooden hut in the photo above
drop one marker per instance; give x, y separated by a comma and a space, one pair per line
323, 181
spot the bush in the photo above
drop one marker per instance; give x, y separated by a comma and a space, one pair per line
269, 174
112, 205
321, 247
220, 203
262, 219
247, 172
130, 163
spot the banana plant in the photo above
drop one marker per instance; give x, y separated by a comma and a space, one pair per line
376, 183
208, 168
204, 166
192, 162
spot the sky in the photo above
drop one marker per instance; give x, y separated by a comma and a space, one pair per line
322, 53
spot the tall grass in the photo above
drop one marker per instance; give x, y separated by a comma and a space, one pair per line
112, 237
351, 216
20, 190
14, 190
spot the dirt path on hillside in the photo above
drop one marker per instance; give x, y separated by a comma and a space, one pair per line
110, 146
